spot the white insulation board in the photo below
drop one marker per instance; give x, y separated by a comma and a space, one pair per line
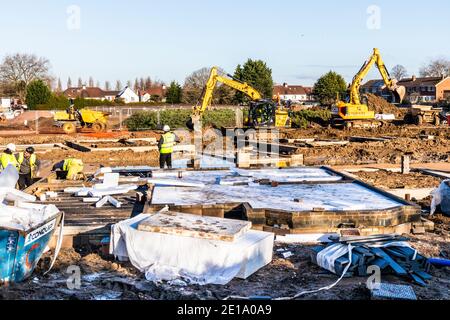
347, 196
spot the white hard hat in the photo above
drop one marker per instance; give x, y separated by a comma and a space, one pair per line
166, 128
11, 147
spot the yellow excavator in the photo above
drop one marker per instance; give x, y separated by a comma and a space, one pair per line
262, 113
354, 113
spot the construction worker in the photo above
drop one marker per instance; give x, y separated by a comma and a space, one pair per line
69, 169
8, 157
28, 167
165, 145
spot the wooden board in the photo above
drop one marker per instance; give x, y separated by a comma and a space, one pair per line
195, 226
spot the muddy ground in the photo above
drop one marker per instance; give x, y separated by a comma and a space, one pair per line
391, 151
394, 180
104, 279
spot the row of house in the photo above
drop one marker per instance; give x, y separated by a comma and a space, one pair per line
293, 93
127, 95
429, 89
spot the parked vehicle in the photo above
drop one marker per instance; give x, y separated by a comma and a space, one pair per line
420, 114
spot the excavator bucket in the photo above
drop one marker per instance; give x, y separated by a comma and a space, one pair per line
194, 123
190, 124
399, 93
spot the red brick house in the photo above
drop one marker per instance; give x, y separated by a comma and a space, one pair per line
94, 93
429, 89
157, 91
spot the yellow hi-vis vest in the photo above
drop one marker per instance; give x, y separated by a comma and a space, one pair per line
6, 159
73, 167
32, 162
168, 143
70, 162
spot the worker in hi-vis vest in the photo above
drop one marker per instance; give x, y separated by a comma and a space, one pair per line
8, 157
69, 169
28, 167
165, 145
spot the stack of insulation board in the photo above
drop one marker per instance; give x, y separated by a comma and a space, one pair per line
391, 253
204, 250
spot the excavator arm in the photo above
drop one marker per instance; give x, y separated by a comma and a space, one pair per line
214, 77
389, 82
264, 111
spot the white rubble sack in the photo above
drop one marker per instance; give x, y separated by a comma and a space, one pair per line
23, 215
441, 196
164, 257
9, 177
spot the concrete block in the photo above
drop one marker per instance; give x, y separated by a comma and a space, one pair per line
418, 230
297, 160
243, 160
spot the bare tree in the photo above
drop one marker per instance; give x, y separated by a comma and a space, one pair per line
59, 86
107, 86
129, 85
195, 83
118, 85
19, 70
436, 68
91, 82
148, 83
69, 83
97, 84
80, 82
136, 85
399, 72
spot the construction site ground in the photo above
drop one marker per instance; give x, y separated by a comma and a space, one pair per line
104, 278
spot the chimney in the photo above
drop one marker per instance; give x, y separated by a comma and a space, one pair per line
414, 78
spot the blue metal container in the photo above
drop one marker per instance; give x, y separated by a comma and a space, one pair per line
20, 250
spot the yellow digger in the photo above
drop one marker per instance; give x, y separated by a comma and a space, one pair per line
72, 119
261, 113
356, 114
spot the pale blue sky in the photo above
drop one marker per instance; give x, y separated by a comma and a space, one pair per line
300, 40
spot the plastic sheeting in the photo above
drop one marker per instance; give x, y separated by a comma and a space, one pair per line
169, 257
23, 215
441, 196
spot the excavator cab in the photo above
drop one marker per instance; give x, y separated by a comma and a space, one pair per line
266, 113
262, 112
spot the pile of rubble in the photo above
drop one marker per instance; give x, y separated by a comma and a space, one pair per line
381, 106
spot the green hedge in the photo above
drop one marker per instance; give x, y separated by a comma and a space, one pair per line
82, 103
301, 119
148, 120
56, 102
